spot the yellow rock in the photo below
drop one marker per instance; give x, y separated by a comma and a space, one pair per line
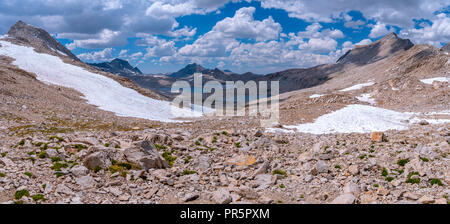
242, 160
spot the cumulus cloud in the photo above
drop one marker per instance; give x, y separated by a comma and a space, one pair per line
223, 36
97, 56
243, 25
379, 30
435, 34
103, 39
156, 47
399, 12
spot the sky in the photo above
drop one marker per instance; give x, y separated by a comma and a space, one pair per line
263, 36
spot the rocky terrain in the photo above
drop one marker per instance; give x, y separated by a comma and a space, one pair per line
57, 148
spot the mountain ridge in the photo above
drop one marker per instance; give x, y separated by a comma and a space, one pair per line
118, 66
38, 38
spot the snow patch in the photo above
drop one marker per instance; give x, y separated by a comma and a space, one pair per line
98, 90
316, 96
357, 118
437, 79
358, 86
367, 97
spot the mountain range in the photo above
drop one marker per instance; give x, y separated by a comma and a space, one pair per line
371, 128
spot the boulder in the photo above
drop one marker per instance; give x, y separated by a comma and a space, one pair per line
145, 154
222, 196
97, 159
378, 137
344, 199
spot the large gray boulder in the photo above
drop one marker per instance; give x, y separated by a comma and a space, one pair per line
145, 154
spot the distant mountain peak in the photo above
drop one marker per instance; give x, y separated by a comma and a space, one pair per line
38, 38
118, 66
190, 69
382, 48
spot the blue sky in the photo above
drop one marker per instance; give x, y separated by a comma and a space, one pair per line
261, 36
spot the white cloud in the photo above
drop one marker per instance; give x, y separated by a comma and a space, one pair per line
112, 4
103, 39
156, 47
243, 25
379, 30
223, 36
358, 24
97, 56
123, 53
437, 33
183, 32
398, 12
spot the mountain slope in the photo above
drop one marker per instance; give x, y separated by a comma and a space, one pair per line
295, 79
39, 39
119, 67
386, 46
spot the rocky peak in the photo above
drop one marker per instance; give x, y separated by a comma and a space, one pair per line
382, 48
38, 38
188, 70
119, 67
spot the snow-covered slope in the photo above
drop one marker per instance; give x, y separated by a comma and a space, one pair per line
360, 119
98, 90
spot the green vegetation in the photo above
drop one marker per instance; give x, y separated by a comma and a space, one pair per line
2, 175
79, 147
58, 166
197, 143
160, 147
282, 186
402, 162
42, 155
97, 169
238, 145
19, 194
168, 157
436, 181
424, 159
214, 140
28, 174
3, 154
225, 133
337, 167
189, 172
413, 180
57, 138
362, 156
384, 173
279, 172
376, 185
38, 197
187, 159
107, 145
55, 159
389, 179
22, 142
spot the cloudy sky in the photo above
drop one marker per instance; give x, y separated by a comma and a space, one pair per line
259, 36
